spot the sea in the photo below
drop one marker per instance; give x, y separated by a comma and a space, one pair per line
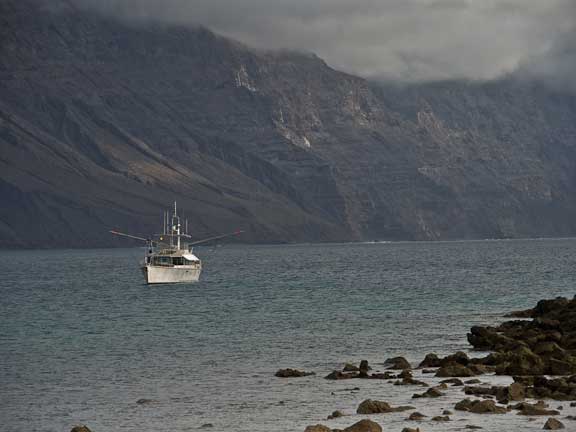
83, 339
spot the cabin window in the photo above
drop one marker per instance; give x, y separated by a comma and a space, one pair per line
178, 261
162, 261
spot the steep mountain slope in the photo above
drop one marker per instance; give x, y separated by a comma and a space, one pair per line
103, 123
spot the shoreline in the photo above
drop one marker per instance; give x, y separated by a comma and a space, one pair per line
528, 370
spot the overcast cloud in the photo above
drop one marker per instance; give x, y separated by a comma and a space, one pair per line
408, 39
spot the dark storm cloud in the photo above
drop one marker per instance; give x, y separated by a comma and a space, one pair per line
408, 39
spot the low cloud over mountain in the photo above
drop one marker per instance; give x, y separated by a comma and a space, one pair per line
408, 39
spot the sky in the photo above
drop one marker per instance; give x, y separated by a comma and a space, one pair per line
413, 40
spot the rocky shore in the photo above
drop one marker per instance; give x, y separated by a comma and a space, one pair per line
518, 376
536, 349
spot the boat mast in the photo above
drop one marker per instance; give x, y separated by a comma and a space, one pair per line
177, 226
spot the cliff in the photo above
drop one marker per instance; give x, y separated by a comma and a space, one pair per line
104, 123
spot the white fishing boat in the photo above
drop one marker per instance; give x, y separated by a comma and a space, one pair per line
169, 259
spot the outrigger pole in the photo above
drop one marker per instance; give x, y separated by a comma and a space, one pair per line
181, 235
129, 236
214, 238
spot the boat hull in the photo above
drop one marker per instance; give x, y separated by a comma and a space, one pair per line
166, 275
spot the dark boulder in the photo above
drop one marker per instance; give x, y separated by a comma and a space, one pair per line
370, 406
430, 361
292, 373
318, 428
364, 426
454, 370
397, 363
80, 428
553, 424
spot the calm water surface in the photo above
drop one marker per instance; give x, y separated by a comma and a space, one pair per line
82, 338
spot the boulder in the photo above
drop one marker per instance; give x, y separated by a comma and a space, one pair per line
480, 407
456, 358
516, 392
349, 367
335, 414
454, 381
430, 393
524, 362
364, 368
80, 428
454, 370
397, 363
526, 313
538, 409
415, 416
337, 375
370, 406
406, 373
430, 361
318, 428
292, 373
560, 367
441, 418
411, 430
411, 381
553, 424
364, 426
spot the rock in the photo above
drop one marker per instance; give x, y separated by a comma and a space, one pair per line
516, 392
370, 406
318, 428
406, 373
560, 367
447, 412
335, 414
385, 375
430, 361
337, 375
527, 313
479, 369
411, 381
533, 409
397, 363
80, 428
207, 426
456, 358
524, 362
144, 401
472, 427
480, 407
416, 416
364, 368
410, 430
473, 381
349, 367
430, 393
553, 424
292, 373
454, 381
441, 418
428, 371
364, 426
454, 370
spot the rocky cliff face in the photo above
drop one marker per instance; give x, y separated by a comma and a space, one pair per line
103, 124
